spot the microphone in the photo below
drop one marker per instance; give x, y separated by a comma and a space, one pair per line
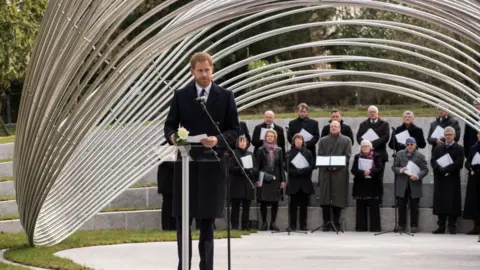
200, 99
286, 127
393, 128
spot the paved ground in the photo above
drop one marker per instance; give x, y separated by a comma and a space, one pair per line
298, 252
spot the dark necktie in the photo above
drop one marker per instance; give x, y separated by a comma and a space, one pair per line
202, 93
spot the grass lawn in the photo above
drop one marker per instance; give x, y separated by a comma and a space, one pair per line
6, 160
5, 266
6, 178
20, 252
144, 185
7, 198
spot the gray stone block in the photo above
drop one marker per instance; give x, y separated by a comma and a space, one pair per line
106, 221
8, 208
149, 219
6, 150
7, 188
87, 226
11, 226
149, 178
153, 198
6, 169
133, 197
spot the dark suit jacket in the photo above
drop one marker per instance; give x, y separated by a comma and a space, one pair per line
345, 130
469, 139
259, 143
310, 125
207, 178
449, 121
414, 131
382, 129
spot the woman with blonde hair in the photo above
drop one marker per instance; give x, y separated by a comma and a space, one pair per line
271, 179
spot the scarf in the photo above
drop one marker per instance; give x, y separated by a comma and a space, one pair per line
270, 147
369, 156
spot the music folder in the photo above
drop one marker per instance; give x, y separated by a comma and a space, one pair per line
331, 161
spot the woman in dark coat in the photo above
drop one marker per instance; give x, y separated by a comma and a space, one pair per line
241, 189
367, 188
271, 178
299, 186
165, 187
471, 209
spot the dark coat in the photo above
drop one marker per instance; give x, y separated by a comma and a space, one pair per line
310, 125
299, 179
165, 177
382, 129
449, 121
402, 180
414, 131
447, 197
471, 208
469, 139
345, 130
368, 187
257, 142
270, 190
243, 132
240, 186
207, 174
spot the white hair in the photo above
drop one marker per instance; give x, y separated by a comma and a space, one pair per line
451, 129
366, 142
372, 107
405, 113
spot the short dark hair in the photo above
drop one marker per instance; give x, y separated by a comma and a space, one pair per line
334, 111
302, 106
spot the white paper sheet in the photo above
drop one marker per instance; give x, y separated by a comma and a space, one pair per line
364, 164
260, 178
412, 169
402, 137
338, 161
306, 135
196, 138
445, 160
300, 162
438, 133
247, 162
370, 135
323, 161
476, 159
262, 133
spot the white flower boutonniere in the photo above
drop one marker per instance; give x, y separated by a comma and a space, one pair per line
181, 135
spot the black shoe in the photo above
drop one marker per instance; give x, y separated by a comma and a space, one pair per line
439, 230
452, 230
413, 229
472, 232
326, 227
375, 230
293, 228
399, 229
264, 226
274, 228
360, 230
303, 228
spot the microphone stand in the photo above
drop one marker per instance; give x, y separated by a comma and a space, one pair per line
395, 205
289, 228
201, 101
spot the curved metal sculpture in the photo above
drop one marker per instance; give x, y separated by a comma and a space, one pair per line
90, 122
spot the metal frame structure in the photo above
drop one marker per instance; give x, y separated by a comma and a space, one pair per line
92, 111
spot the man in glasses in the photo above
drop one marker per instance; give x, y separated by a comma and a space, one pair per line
407, 129
447, 162
410, 168
435, 134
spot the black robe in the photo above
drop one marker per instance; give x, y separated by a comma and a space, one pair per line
447, 196
310, 125
471, 208
240, 186
368, 187
469, 138
270, 190
257, 142
165, 178
299, 179
382, 129
414, 131
447, 121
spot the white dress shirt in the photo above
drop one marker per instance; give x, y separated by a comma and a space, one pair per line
207, 90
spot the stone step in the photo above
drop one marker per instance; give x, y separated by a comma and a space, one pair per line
6, 169
151, 219
6, 150
7, 188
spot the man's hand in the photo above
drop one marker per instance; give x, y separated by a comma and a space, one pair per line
439, 142
257, 184
367, 172
282, 185
172, 138
403, 170
413, 177
210, 141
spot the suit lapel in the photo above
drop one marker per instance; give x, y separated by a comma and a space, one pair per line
213, 95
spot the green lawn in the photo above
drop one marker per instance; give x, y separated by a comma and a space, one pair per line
5, 266
144, 185
20, 252
6, 178
6, 160
7, 198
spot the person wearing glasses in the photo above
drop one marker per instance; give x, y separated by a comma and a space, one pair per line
442, 121
408, 183
414, 132
447, 162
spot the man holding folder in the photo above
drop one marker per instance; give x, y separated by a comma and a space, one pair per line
375, 130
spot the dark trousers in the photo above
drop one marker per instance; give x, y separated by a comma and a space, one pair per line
205, 245
442, 221
236, 213
402, 209
298, 200
168, 222
368, 209
263, 211
336, 211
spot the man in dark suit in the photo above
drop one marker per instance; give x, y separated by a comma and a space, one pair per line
470, 135
207, 173
443, 121
268, 118
165, 187
413, 131
380, 127
345, 129
303, 122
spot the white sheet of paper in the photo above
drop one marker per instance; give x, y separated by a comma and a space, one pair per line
323, 161
306, 135
196, 138
262, 133
260, 178
338, 161
247, 162
402, 137
476, 159
437, 133
370, 135
445, 160
300, 162
412, 169
364, 164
